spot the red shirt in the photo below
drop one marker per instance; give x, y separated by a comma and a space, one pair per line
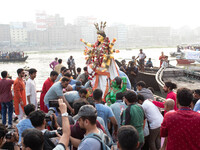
161, 58
181, 129
5, 90
46, 86
171, 95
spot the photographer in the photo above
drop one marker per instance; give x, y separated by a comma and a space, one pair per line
56, 92
38, 121
8, 140
36, 142
3, 132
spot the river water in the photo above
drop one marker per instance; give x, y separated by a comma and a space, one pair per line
41, 59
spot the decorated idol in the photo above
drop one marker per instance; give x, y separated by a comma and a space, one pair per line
100, 60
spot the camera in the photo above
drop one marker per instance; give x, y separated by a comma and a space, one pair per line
53, 103
49, 114
9, 134
52, 134
60, 131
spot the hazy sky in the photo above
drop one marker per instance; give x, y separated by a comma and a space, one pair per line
174, 13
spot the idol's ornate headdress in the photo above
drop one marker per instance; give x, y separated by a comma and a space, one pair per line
101, 28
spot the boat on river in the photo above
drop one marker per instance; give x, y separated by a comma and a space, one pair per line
184, 61
20, 59
185, 47
188, 57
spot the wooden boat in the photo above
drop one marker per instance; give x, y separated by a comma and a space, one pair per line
181, 77
22, 59
148, 76
184, 61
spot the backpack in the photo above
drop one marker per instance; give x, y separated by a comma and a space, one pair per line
97, 137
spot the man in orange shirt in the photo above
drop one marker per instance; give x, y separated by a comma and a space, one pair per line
19, 94
161, 58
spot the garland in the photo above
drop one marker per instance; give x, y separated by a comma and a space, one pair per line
100, 55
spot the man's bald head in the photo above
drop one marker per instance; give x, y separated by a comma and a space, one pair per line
169, 104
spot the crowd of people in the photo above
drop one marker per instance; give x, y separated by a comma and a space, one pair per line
8, 55
73, 115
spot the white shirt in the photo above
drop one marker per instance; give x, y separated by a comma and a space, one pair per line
141, 56
31, 91
165, 64
153, 114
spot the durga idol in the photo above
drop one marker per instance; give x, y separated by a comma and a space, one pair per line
100, 60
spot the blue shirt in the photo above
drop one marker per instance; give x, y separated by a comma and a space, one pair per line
23, 125
72, 82
118, 107
197, 106
122, 74
104, 112
71, 96
59, 77
54, 92
74, 87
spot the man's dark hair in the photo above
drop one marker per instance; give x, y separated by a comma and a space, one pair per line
68, 74
4, 74
59, 61
32, 70
77, 105
118, 81
37, 118
3, 130
140, 97
184, 96
85, 68
29, 108
142, 84
78, 69
92, 119
33, 139
97, 94
91, 102
83, 91
64, 79
128, 137
53, 73
170, 85
62, 68
19, 70
130, 96
119, 96
197, 91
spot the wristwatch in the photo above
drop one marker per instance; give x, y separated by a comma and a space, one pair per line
65, 114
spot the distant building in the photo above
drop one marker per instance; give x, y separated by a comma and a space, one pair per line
38, 38
18, 33
45, 21
88, 30
4, 34
41, 21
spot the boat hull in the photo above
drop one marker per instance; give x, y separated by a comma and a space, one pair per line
14, 59
184, 61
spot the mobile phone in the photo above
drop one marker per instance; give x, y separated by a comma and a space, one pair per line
53, 103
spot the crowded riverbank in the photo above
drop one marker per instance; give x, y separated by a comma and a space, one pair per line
41, 59
114, 99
